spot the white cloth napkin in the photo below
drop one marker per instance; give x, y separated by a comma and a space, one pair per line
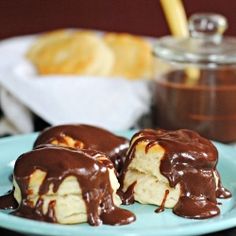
112, 103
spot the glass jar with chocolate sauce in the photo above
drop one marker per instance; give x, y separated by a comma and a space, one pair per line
195, 85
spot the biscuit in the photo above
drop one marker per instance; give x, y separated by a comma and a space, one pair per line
133, 55
83, 136
72, 52
67, 186
45, 40
151, 185
174, 169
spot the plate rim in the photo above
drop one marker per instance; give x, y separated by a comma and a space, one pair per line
18, 224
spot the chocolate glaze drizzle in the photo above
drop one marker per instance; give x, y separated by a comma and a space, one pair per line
161, 208
127, 197
189, 160
91, 170
8, 201
93, 138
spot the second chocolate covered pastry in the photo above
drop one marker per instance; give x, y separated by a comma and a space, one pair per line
174, 169
86, 137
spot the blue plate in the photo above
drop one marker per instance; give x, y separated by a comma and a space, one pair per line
147, 223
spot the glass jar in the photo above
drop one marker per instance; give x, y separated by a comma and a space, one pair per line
195, 80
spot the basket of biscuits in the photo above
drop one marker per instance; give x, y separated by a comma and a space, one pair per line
74, 52
68, 75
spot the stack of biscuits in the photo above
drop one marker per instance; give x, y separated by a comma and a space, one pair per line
87, 53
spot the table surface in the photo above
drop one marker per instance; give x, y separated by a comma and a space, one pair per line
230, 232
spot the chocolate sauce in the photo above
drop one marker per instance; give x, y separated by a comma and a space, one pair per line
92, 137
189, 160
92, 173
221, 192
8, 202
206, 105
127, 197
161, 208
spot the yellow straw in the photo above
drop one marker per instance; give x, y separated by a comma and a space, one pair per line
178, 24
176, 17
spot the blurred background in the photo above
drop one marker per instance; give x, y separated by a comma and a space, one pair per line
143, 17
27, 17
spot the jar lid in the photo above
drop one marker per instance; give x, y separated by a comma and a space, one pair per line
206, 45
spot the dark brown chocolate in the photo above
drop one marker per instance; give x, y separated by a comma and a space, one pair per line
127, 197
8, 202
206, 105
93, 138
161, 208
91, 171
189, 160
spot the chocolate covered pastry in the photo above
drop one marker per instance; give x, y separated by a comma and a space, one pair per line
67, 186
86, 137
174, 169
